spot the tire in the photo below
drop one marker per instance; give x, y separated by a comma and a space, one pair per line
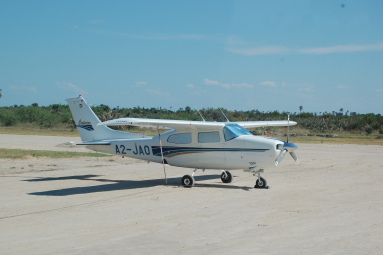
226, 178
260, 185
188, 181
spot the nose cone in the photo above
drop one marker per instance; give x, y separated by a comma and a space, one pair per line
289, 146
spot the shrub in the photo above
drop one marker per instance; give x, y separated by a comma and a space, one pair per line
381, 130
368, 129
8, 119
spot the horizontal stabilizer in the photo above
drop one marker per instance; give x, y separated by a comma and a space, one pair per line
73, 144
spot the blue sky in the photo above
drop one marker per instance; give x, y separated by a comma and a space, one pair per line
265, 55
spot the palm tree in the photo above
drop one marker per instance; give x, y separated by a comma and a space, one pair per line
0, 93
300, 108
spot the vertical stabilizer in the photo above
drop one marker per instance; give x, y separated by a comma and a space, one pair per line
86, 123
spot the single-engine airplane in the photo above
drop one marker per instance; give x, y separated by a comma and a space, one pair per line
202, 145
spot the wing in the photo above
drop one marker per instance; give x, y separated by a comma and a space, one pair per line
160, 123
185, 124
274, 123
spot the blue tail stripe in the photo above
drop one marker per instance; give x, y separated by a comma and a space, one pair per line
86, 127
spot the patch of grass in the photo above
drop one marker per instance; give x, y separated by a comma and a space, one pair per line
18, 153
37, 131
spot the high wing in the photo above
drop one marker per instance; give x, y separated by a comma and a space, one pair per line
185, 124
274, 123
161, 123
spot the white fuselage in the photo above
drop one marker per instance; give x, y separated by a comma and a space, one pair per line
243, 152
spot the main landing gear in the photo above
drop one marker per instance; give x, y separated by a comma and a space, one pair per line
226, 177
188, 180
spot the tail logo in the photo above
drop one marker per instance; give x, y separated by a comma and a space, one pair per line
85, 125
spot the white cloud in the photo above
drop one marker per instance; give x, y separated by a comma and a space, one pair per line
242, 85
341, 48
268, 83
227, 85
24, 88
71, 87
190, 86
378, 90
341, 87
209, 82
156, 36
95, 22
311, 51
139, 83
307, 89
157, 92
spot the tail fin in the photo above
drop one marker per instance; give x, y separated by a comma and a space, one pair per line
86, 123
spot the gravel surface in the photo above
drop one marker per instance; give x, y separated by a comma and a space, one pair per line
331, 203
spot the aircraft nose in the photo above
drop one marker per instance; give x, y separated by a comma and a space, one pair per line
289, 146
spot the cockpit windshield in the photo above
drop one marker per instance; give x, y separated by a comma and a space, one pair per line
231, 131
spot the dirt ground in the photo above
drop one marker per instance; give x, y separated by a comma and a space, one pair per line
331, 203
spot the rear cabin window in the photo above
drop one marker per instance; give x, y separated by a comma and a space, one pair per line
208, 137
183, 138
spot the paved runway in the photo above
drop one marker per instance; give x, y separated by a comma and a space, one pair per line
331, 203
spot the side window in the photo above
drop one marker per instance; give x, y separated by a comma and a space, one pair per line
208, 137
180, 138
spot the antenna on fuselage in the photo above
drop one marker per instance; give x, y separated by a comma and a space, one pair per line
200, 114
288, 127
224, 115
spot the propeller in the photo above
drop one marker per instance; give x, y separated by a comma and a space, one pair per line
294, 157
287, 146
280, 157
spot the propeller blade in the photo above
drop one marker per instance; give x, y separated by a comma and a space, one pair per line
294, 157
280, 157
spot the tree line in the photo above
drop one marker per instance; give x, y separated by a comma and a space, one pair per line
58, 114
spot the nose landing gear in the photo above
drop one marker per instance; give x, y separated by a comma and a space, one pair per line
261, 182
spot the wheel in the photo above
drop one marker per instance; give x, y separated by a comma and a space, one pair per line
261, 184
226, 177
188, 180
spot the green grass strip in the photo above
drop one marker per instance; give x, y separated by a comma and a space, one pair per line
18, 153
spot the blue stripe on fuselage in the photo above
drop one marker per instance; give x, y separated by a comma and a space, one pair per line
167, 151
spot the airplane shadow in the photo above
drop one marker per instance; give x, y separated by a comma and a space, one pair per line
122, 184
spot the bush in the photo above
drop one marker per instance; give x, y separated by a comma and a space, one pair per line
369, 129
8, 119
381, 130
